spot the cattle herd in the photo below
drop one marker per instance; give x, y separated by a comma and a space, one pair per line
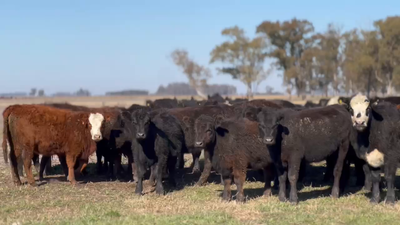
273, 136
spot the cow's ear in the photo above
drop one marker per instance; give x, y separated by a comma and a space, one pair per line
376, 102
186, 121
280, 118
108, 118
218, 121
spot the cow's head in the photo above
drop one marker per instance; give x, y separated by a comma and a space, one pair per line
141, 121
251, 112
205, 128
269, 125
96, 123
359, 109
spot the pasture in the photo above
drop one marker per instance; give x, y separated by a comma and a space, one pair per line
96, 201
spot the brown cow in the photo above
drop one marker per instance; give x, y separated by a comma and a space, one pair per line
37, 129
105, 148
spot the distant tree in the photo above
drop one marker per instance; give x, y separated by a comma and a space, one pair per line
362, 66
328, 59
82, 92
243, 56
33, 92
293, 49
197, 74
388, 32
41, 93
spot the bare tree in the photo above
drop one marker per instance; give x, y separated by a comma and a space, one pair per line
196, 73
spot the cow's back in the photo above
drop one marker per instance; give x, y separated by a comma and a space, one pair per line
313, 129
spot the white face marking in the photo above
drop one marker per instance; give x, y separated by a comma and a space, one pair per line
359, 105
375, 158
95, 121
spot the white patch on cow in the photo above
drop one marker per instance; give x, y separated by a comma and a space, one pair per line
359, 104
227, 103
96, 121
375, 158
333, 101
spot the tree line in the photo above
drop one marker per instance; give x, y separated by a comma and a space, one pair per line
310, 62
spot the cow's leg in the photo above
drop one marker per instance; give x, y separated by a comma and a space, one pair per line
343, 149
134, 172
130, 167
43, 164
28, 167
376, 179
20, 166
64, 166
172, 161
36, 162
227, 187
83, 164
141, 170
293, 175
344, 178
330, 166
48, 167
390, 175
99, 164
282, 184
207, 168
110, 160
118, 165
268, 176
159, 169
71, 159
368, 178
14, 168
240, 178
360, 174
180, 163
196, 161
302, 171
152, 178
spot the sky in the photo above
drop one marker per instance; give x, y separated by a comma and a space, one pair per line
102, 45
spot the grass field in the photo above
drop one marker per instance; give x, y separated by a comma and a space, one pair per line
100, 202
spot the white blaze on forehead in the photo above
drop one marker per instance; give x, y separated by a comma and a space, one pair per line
95, 121
359, 104
375, 158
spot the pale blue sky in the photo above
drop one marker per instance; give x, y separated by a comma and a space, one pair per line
113, 45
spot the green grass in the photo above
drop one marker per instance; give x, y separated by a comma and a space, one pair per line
116, 203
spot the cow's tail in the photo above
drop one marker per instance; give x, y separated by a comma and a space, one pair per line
5, 135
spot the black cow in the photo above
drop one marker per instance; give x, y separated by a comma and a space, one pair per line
164, 103
157, 144
311, 135
375, 138
190, 103
231, 146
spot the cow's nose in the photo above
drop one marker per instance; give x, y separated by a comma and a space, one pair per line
97, 137
140, 134
360, 122
268, 140
199, 144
